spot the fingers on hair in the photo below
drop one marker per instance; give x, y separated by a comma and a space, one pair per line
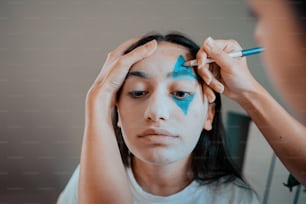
138, 53
121, 48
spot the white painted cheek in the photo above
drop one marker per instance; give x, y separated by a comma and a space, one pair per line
199, 108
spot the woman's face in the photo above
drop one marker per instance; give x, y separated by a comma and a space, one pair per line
162, 109
278, 31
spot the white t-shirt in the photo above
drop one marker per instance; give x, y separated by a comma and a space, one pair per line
194, 193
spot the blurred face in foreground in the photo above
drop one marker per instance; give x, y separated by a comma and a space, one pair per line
285, 56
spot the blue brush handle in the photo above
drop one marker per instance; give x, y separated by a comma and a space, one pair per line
252, 51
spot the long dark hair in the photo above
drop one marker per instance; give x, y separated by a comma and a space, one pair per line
210, 161
299, 8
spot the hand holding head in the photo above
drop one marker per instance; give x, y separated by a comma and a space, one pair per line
116, 68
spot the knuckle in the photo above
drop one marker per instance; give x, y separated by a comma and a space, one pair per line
91, 92
234, 43
218, 53
121, 62
198, 55
146, 48
110, 55
201, 54
216, 50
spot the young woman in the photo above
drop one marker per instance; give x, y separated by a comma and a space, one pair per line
170, 138
281, 30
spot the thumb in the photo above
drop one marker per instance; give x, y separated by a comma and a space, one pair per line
216, 53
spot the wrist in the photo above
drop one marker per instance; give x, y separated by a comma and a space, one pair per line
99, 106
247, 98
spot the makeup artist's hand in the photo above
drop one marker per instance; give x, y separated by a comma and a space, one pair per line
114, 71
227, 75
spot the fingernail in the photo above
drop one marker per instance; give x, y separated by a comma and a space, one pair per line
212, 99
208, 80
203, 62
200, 65
220, 88
208, 77
210, 42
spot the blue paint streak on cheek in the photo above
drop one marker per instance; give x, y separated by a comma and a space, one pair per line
179, 67
184, 103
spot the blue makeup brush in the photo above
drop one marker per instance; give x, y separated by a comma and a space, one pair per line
242, 53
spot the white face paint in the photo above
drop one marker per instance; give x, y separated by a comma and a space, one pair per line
161, 107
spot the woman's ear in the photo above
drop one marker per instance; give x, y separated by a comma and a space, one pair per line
210, 117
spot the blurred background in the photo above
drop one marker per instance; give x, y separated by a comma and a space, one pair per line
50, 53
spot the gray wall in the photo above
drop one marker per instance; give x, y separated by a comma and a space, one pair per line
50, 53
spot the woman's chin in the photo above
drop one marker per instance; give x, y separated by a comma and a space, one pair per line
160, 157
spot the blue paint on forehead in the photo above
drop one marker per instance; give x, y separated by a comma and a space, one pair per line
182, 72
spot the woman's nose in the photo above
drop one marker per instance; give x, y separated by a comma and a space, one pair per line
157, 108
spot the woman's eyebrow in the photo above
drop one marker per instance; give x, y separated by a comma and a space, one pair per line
182, 74
137, 74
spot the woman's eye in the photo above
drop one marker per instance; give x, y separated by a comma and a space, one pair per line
181, 94
137, 94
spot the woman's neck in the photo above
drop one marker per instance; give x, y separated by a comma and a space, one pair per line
163, 180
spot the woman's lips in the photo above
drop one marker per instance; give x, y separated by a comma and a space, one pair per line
156, 132
158, 136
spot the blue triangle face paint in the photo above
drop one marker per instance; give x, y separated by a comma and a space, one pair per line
182, 72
